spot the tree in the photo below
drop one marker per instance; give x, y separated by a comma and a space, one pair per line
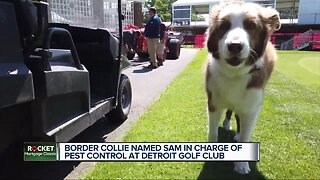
196, 17
163, 8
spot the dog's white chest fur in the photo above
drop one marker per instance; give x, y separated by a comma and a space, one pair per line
230, 90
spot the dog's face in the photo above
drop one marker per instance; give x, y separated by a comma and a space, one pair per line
238, 32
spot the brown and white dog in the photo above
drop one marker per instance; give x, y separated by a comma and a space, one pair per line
241, 64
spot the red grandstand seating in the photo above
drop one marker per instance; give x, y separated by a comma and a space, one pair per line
316, 41
199, 41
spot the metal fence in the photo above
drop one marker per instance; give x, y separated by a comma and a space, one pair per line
89, 13
288, 45
303, 40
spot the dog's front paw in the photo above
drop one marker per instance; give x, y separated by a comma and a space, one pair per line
237, 137
242, 167
227, 125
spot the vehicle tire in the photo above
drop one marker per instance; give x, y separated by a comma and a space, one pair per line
130, 55
124, 99
174, 46
143, 56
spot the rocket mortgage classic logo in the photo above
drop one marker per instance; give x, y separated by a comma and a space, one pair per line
40, 151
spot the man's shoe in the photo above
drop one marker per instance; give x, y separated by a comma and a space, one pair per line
160, 63
152, 66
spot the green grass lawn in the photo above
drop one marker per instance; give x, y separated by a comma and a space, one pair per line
301, 66
288, 127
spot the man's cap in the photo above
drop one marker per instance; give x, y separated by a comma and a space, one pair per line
153, 9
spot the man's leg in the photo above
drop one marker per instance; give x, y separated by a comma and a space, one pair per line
152, 51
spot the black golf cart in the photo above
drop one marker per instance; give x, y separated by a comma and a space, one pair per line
57, 79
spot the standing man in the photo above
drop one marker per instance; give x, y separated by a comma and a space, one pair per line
152, 32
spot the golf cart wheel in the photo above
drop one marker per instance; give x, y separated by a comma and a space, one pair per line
124, 99
130, 55
143, 55
174, 49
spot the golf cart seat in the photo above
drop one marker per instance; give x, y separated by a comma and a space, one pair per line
16, 79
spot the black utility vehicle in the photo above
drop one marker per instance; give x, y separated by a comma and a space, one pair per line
55, 79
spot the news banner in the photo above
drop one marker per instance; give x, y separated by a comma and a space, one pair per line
34, 151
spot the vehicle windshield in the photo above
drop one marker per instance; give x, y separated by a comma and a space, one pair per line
90, 13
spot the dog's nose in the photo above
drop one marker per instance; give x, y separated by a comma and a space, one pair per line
235, 47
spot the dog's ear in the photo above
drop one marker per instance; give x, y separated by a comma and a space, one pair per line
210, 40
272, 18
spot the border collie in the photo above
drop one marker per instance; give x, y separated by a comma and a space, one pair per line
241, 64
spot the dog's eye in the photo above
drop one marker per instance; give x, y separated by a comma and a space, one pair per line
251, 25
224, 26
